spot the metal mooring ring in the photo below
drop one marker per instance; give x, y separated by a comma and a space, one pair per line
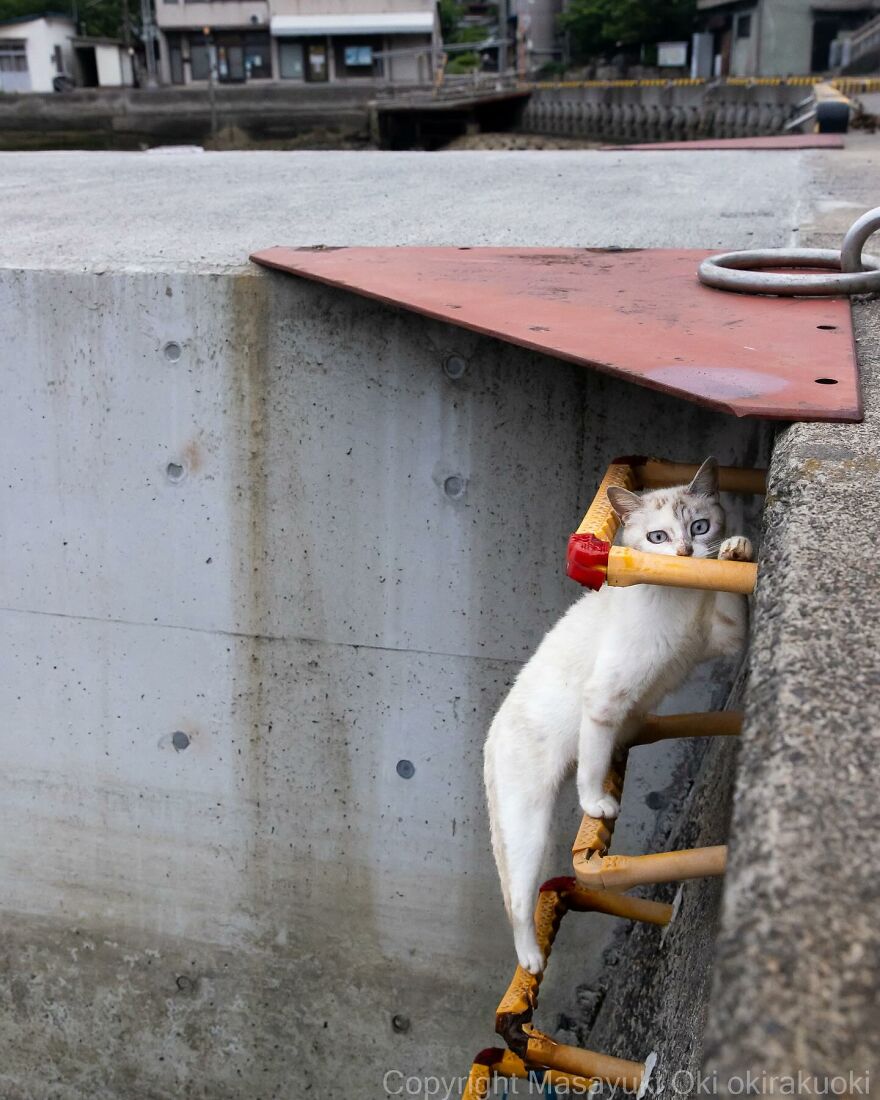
853, 273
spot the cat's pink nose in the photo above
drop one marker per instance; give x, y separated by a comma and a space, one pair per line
683, 550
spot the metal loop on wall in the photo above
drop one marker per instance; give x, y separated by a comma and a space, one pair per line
852, 272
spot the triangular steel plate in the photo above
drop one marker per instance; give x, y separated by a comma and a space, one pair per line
641, 315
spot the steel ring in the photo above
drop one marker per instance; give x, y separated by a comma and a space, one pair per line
742, 272
851, 249
852, 273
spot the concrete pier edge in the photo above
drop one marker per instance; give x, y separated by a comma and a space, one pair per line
798, 954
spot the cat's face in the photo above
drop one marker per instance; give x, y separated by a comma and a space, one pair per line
687, 520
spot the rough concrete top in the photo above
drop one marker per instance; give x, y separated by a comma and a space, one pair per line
798, 959
107, 211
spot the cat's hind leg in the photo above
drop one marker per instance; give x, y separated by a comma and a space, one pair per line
521, 799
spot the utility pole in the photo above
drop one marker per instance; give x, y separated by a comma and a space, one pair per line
126, 24
149, 35
502, 36
212, 78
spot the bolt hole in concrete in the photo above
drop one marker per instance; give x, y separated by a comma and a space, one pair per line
174, 471
172, 351
454, 487
400, 1024
406, 769
826, 381
185, 984
179, 740
455, 366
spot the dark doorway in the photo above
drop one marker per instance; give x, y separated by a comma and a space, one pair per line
316, 62
88, 66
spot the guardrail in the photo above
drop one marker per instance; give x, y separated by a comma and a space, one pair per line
865, 40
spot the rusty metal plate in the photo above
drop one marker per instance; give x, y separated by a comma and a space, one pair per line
770, 141
639, 315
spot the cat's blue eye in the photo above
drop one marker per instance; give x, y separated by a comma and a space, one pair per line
699, 527
658, 536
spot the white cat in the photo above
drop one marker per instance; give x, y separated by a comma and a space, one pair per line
609, 661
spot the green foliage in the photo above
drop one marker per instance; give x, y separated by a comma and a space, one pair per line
450, 14
473, 34
463, 63
603, 26
99, 17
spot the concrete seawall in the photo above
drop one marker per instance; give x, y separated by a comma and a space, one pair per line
244, 605
663, 113
127, 118
267, 571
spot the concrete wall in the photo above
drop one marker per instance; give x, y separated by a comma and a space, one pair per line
542, 20
786, 37
192, 14
659, 113
131, 119
238, 591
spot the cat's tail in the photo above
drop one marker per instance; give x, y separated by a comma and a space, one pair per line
520, 800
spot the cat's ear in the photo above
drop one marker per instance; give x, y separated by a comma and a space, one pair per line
623, 501
705, 482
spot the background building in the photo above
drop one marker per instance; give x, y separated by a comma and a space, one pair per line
102, 62
312, 41
776, 37
34, 50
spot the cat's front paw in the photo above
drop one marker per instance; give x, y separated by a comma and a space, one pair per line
528, 954
737, 548
532, 960
605, 806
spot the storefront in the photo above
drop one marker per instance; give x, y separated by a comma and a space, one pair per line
386, 45
313, 49
241, 56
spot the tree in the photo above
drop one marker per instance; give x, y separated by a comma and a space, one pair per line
601, 26
100, 17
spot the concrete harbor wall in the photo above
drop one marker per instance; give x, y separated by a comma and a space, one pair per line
267, 571
347, 114
666, 112
129, 118
270, 558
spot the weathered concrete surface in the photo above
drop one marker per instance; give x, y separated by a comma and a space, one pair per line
661, 113
791, 987
237, 530
130, 118
239, 595
207, 212
651, 997
799, 952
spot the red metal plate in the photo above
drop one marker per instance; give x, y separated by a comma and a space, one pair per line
770, 141
639, 315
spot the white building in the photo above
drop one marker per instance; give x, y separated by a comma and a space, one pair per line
775, 37
102, 63
34, 49
312, 41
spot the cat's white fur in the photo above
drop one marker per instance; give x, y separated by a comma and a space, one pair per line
609, 661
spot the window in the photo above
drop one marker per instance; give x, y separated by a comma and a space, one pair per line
357, 57
13, 56
257, 56
290, 55
744, 26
